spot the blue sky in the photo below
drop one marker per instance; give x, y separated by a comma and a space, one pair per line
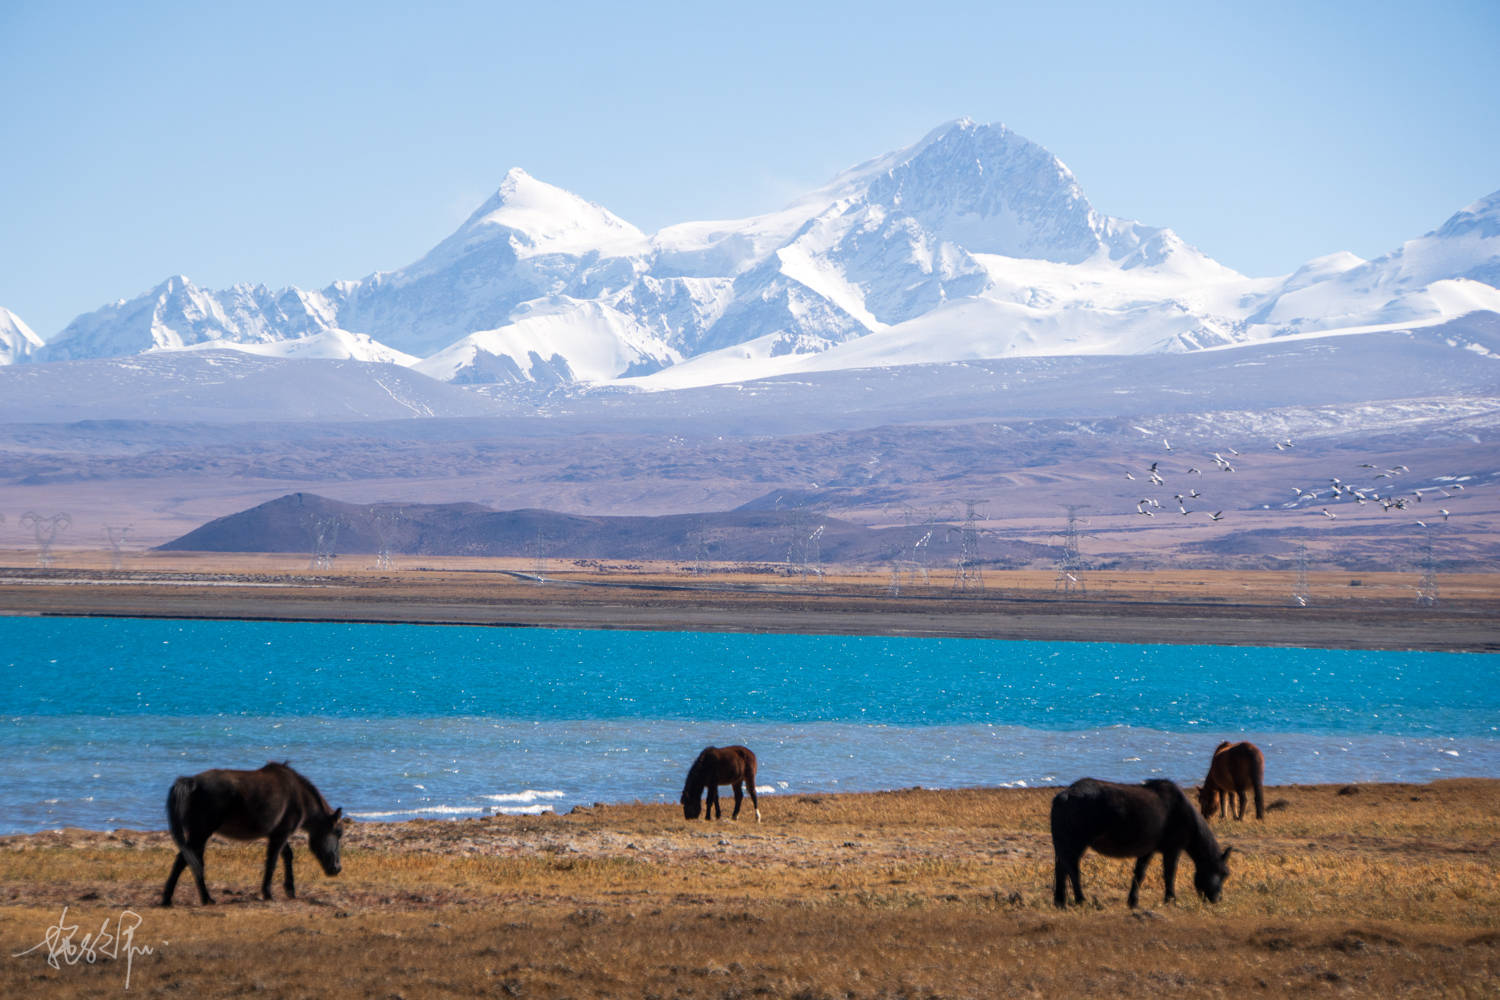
290, 143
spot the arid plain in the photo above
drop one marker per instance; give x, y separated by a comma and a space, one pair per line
1365, 890
1359, 890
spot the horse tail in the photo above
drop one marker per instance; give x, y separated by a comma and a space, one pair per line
1258, 778
179, 801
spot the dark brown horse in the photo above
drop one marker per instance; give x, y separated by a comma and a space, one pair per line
1235, 767
273, 802
717, 766
1133, 821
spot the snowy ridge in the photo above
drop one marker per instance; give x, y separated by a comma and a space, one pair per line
971, 243
16, 338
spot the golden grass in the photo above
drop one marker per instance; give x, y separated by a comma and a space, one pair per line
1390, 890
456, 574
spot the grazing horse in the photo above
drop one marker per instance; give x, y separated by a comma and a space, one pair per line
717, 766
1235, 767
273, 802
1133, 821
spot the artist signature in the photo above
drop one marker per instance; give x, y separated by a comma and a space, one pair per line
64, 946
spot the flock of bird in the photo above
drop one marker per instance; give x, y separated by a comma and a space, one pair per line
1369, 491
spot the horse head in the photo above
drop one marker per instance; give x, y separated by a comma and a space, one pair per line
1208, 800
692, 802
1210, 876
324, 835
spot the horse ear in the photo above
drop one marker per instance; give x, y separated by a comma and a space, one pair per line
1225, 855
337, 813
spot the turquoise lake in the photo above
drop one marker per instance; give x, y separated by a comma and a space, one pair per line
395, 721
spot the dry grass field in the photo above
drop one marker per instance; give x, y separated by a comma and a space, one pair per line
1369, 890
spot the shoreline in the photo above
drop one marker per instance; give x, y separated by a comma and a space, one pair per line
1169, 608
397, 827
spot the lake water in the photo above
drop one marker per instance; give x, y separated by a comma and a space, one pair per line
98, 716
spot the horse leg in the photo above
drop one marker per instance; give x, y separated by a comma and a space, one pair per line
178, 864
1169, 874
713, 803
1064, 870
193, 852
1135, 881
750, 784
1260, 799
286, 863
1240, 792
1223, 794
274, 844
739, 796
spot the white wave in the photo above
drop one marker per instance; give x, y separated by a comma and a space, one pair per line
521, 810
530, 795
423, 811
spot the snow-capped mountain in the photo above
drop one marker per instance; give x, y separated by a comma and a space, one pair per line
16, 338
973, 243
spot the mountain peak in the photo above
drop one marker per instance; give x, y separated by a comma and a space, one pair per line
1481, 218
541, 218
989, 190
16, 338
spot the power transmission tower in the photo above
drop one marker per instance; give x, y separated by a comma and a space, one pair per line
812, 554
384, 524
116, 535
968, 575
46, 529
1427, 587
539, 551
324, 533
1301, 591
1070, 565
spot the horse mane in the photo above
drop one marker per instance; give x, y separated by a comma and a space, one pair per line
696, 775
1203, 844
1221, 746
309, 790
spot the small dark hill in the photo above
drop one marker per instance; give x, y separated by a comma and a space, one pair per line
296, 522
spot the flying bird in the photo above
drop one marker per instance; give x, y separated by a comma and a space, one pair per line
1329, 514
1217, 515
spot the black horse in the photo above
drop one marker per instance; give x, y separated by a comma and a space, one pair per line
1133, 821
273, 802
717, 766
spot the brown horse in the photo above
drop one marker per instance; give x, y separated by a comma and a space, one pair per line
273, 802
1133, 821
717, 766
1235, 767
